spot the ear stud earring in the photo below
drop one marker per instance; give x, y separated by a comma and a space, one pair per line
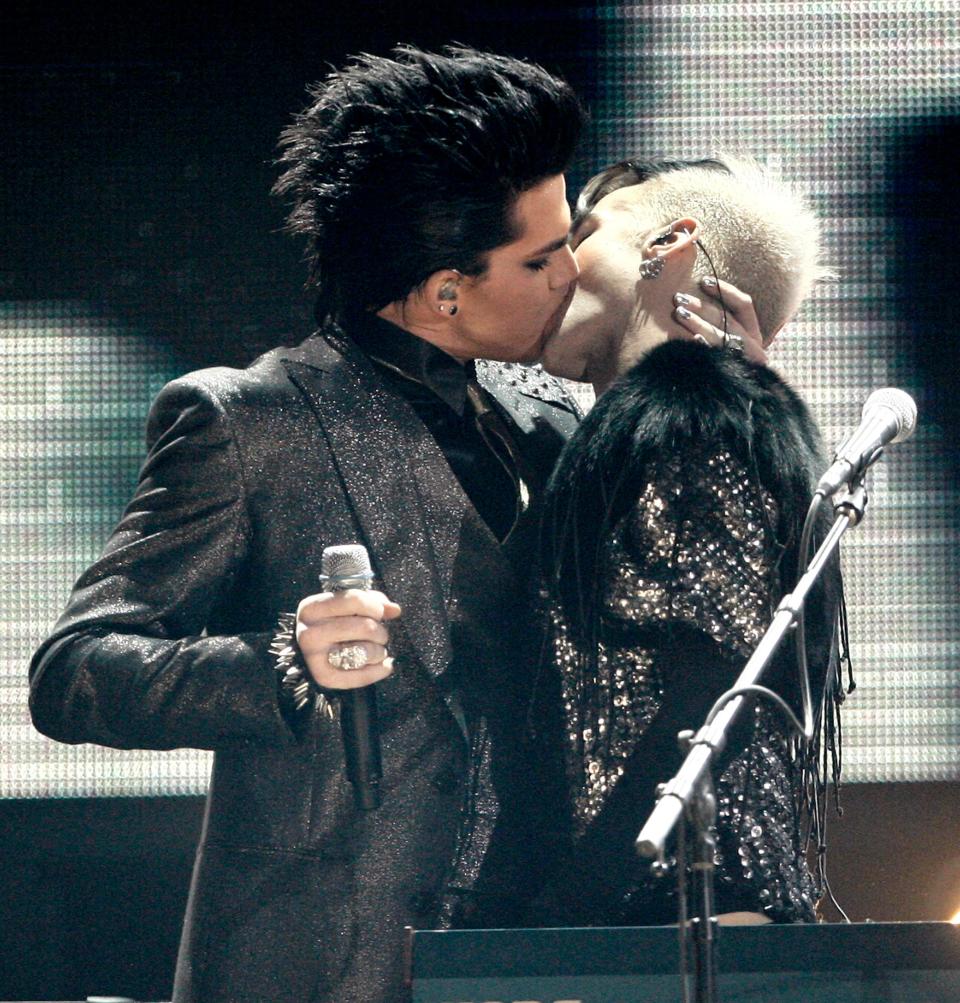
651, 268
448, 291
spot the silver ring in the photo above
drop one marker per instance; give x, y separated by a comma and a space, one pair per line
347, 657
733, 341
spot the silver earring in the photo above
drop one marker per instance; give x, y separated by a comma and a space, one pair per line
651, 268
448, 291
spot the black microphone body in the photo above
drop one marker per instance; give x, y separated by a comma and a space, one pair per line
889, 416
348, 567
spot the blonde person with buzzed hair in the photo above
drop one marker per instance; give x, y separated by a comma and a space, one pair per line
671, 530
684, 225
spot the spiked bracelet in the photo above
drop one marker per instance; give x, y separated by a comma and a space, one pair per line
297, 686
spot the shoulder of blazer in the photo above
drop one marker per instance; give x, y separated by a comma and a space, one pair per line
268, 385
261, 380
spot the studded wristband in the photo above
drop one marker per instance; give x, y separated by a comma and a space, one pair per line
297, 686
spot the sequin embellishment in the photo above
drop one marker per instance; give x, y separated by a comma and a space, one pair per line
697, 550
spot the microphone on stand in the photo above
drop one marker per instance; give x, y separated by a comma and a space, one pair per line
889, 415
348, 567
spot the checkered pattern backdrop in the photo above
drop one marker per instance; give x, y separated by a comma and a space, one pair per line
827, 92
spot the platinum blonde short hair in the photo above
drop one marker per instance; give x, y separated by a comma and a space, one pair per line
759, 231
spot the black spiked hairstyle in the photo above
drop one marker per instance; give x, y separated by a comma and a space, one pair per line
408, 165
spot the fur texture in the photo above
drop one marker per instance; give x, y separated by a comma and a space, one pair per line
678, 396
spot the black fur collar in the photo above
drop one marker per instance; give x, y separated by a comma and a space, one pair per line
680, 395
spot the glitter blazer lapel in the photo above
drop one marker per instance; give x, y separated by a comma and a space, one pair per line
406, 502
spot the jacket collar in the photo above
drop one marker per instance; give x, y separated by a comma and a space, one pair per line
446, 377
415, 359
407, 505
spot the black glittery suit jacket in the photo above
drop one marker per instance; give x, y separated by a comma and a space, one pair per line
164, 643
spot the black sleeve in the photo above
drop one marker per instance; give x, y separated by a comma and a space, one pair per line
689, 584
129, 664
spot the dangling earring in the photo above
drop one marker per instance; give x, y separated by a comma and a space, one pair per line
651, 268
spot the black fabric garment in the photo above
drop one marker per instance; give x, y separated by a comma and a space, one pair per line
165, 643
436, 385
672, 523
491, 636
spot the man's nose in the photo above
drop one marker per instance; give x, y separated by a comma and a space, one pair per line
566, 271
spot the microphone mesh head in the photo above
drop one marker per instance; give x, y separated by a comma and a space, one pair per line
901, 404
348, 560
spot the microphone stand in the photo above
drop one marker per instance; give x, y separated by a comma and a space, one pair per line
699, 818
689, 794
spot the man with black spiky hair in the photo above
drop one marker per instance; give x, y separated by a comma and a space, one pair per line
430, 189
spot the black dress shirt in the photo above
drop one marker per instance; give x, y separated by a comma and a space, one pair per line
436, 386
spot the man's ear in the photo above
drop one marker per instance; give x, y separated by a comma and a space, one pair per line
441, 292
680, 236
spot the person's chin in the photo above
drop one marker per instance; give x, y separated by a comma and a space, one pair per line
556, 355
552, 328
555, 361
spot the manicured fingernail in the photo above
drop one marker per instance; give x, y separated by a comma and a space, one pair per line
681, 299
701, 339
683, 313
709, 281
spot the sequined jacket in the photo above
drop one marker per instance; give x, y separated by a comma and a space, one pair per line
165, 643
671, 533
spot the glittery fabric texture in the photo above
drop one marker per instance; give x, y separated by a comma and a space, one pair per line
660, 568
689, 543
166, 641
699, 556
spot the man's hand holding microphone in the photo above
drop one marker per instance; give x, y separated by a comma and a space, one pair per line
342, 638
335, 629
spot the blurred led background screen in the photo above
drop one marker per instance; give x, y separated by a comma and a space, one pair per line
832, 94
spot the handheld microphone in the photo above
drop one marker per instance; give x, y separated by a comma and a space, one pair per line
889, 415
348, 567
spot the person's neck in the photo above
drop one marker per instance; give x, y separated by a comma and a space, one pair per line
626, 353
418, 321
